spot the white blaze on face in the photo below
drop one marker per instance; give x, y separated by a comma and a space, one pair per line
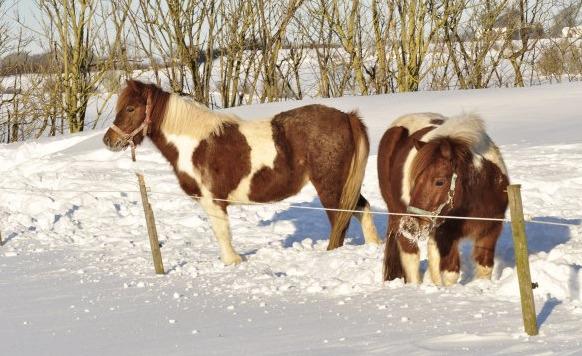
259, 136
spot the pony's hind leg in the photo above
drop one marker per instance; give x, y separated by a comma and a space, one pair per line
366, 220
221, 228
484, 250
329, 190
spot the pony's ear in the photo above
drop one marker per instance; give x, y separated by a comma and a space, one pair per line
135, 85
446, 149
130, 83
418, 144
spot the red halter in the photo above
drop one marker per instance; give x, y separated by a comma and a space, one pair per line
144, 127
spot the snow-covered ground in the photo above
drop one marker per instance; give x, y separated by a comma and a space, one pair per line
76, 275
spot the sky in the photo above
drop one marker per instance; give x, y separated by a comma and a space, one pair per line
26, 12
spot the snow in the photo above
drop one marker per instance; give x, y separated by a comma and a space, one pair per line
76, 270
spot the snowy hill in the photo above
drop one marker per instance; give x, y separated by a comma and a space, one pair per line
76, 275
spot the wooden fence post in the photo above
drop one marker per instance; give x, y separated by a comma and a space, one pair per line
150, 221
528, 308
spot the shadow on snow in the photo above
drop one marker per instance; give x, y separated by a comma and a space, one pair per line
314, 224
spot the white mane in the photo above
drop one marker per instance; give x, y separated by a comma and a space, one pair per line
417, 121
466, 127
187, 117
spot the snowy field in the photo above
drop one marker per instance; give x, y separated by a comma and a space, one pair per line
76, 275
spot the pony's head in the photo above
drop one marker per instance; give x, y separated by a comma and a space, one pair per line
435, 185
132, 116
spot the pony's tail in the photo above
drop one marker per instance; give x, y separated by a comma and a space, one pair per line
392, 263
353, 183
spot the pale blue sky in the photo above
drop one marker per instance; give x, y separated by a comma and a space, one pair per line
26, 10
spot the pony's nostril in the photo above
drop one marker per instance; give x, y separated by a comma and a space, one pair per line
106, 141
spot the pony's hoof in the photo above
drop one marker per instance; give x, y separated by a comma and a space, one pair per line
232, 260
450, 278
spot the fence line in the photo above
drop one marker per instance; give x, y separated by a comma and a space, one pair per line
290, 205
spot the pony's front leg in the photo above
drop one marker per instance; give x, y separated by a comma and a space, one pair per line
484, 249
221, 228
434, 261
410, 258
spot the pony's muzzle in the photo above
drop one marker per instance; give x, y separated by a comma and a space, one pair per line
415, 229
114, 142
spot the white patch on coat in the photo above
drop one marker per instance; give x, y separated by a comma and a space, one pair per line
259, 136
185, 145
411, 266
494, 156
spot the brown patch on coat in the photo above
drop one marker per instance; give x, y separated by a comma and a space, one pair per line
223, 161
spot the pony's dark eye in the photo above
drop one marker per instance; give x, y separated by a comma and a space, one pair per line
439, 182
129, 109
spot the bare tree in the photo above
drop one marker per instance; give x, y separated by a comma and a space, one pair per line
475, 40
273, 18
526, 23
415, 25
320, 38
77, 27
236, 56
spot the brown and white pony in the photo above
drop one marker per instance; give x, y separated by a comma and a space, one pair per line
431, 165
218, 158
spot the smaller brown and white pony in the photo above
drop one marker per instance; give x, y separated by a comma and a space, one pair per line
219, 158
431, 165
